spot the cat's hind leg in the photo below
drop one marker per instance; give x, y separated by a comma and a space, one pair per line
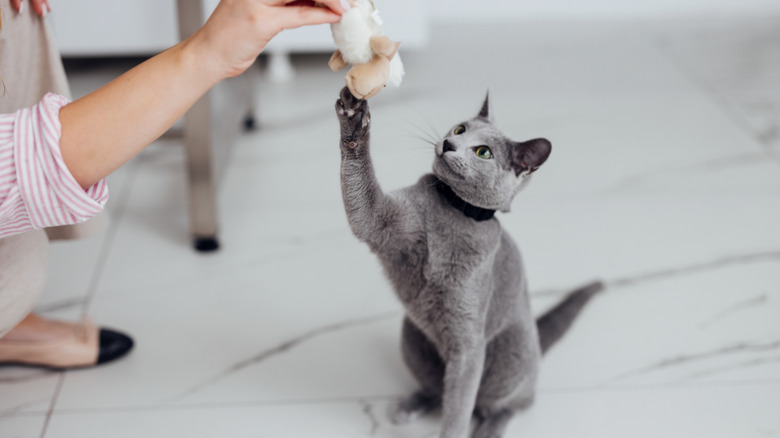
509, 380
493, 424
423, 360
413, 407
511, 370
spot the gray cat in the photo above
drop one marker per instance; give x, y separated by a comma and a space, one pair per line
469, 336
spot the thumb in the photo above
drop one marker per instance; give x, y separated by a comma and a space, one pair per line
290, 17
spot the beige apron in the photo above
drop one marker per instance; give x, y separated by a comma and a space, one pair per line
30, 67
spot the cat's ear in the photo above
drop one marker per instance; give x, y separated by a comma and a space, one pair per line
485, 112
529, 155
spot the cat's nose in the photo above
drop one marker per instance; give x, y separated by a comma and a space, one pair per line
447, 147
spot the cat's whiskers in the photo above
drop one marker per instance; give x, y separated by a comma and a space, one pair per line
403, 138
421, 132
423, 139
428, 122
426, 137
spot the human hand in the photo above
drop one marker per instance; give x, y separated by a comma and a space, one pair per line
41, 7
239, 30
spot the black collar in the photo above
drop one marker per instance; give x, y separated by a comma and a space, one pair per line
479, 214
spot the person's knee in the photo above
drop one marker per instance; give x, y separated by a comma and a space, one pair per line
23, 263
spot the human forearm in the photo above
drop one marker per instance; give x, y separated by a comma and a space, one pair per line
104, 129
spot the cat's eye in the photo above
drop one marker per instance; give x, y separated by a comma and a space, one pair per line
484, 152
459, 130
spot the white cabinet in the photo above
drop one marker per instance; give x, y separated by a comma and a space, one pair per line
144, 27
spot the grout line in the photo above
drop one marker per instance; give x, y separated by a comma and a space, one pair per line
59, 305
737, 307
220, 405
728, 261
105, 248
670, 272
55, 397
670, 385
742, 365
12, 411
389, 398
285, 347
36, 375
685, 359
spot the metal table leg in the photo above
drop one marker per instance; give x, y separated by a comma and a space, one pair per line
198, 142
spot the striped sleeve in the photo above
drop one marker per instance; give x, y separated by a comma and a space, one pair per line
36, 188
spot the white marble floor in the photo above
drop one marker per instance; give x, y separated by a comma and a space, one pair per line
664, 181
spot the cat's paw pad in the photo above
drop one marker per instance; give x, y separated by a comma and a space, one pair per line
349, 101
349, 108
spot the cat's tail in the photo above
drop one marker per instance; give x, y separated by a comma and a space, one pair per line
553, 324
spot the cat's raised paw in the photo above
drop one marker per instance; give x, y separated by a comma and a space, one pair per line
351, 103
352, 113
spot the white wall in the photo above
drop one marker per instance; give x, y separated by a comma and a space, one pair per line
144, 27
100, 27
512, 10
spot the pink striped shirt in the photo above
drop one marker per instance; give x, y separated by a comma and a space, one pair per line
36, 188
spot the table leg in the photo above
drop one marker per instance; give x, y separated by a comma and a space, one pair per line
198, 141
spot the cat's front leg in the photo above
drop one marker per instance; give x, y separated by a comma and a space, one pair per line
372, 215
462, 375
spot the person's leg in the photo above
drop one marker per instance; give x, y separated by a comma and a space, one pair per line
40, 342
23, 264
28, 339
30, 67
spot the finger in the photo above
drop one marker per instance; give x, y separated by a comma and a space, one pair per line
278, 2
17, 5
38, 7
291, 17
337, 6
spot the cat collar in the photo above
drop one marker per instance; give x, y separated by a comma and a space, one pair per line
479, 214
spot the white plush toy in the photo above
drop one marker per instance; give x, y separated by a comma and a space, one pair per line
361, 43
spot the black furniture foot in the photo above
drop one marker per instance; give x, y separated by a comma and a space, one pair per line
250, 124
206, 244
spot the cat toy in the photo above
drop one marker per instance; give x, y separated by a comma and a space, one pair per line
361, 43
